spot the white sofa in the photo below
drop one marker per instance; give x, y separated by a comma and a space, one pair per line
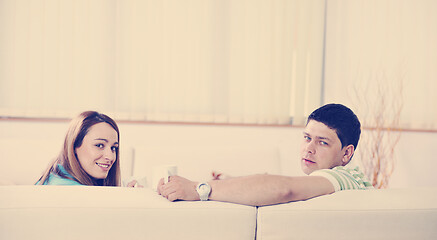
82, 212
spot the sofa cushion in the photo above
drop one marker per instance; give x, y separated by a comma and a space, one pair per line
83, 212
353, 214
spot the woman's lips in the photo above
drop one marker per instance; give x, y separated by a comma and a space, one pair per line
104, 166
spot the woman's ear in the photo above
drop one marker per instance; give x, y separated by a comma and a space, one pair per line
348, 153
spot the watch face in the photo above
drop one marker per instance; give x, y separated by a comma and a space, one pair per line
203, 189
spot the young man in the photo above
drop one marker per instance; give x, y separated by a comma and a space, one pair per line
329, 141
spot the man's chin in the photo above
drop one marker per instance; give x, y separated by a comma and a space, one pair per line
307, 170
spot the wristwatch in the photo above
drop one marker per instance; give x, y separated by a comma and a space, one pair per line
203, 189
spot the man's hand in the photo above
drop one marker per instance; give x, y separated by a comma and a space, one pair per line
178, 188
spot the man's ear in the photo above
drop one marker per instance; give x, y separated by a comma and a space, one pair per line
348, 153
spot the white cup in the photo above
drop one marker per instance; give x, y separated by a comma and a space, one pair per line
162, 171
140, 181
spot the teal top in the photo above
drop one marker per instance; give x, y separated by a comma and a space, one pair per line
55, 179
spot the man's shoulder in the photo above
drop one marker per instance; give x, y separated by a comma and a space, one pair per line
345, 178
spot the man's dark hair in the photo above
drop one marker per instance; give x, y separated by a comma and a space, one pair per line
341, 119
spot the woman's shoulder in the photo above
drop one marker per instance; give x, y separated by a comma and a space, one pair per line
63, 179
57, 180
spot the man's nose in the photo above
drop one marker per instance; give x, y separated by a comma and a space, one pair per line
310, 147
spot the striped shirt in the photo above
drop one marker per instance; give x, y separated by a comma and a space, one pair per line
344, 178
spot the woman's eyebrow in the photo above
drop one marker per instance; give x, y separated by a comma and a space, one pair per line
102, 139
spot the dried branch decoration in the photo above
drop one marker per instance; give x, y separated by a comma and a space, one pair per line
379, 105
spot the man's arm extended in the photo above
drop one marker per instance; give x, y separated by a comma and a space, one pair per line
253, 190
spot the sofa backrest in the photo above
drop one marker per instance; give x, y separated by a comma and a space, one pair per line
84, 212
389, 214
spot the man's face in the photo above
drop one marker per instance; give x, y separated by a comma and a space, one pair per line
321, 148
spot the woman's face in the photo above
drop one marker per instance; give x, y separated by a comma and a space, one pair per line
98, 151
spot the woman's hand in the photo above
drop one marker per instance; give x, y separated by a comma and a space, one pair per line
134, 183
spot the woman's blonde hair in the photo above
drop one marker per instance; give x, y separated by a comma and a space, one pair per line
67, 158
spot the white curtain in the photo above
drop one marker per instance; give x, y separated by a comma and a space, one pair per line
56, 57
234, 61
381, 57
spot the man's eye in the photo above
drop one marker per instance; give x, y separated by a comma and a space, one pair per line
323, 143
307, 138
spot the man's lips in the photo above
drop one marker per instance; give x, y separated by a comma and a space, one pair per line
308, 161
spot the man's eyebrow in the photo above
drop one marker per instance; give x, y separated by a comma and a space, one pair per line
318, 137
324, 138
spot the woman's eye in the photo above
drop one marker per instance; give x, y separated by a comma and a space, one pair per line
100, 145
114, 149
307, 138
323, 143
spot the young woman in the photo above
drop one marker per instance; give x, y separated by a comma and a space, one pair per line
90, 155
